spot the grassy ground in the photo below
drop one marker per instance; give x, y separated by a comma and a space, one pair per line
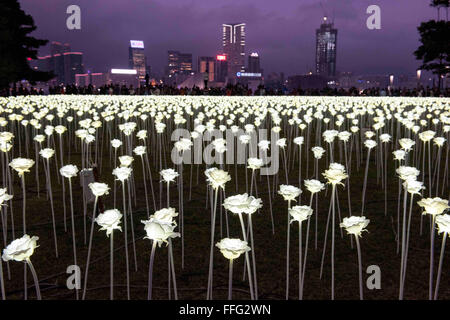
378, 245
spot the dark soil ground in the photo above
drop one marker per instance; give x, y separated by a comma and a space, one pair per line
378, 245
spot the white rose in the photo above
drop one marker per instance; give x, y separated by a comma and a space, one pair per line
232, 248
109, 220
254, 163
355, 224
125, 161
289, 192
433, 206
314, 186
47, 153
217, 178
300, 213
169, 175
140, 150
20, 249
99, 189
122, 173
69, 171
21, 165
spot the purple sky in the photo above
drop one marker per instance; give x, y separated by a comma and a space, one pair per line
281, 31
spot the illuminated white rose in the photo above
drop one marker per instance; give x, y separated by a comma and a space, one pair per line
413, 186
399, 154
281, 142
329, 135
159, 231
142, 134
116, 143
369, 144
427, 135
6, 136
385, 137
245, 138
122, 173
125, 161
99, 189
232, 248
439, 141
169, 175
166, 215
183, 144
443, 223
407, 173
300, 213
109, 221
264, 145
355, 224
289, 192
219, 145
159, 126
20, 249
254, 163
47, 153
344, 136
242, 203
89, 138
140, 150
4, 196
335, 174
433, 206
217, 178
406, 143
69, 171
314, 186
298, 140
21, 165
60, 129
318, 152
39, 138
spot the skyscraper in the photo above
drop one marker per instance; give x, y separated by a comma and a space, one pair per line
179, 63
253, 63
233, 41
221, 68
137, 59
64, 64
206, 65
326, 37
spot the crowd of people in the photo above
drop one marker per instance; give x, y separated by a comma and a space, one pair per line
229, 90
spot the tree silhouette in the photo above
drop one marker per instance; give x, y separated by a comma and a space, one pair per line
17, 47
435, 48
441, 4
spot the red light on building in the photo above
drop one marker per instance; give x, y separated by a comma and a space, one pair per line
221, 57
29, 59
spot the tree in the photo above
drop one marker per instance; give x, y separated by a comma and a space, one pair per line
435, 48
441, 4
17, 47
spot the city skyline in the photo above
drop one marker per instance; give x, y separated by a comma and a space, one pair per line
286, 43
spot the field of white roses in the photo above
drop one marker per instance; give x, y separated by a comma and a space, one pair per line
175, 197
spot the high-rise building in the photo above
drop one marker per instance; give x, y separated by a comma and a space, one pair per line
73, 64
58, 47
206, 65
137, 59
179, 63
64, 64
253, 63
221, 68
233, 42
326, 37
